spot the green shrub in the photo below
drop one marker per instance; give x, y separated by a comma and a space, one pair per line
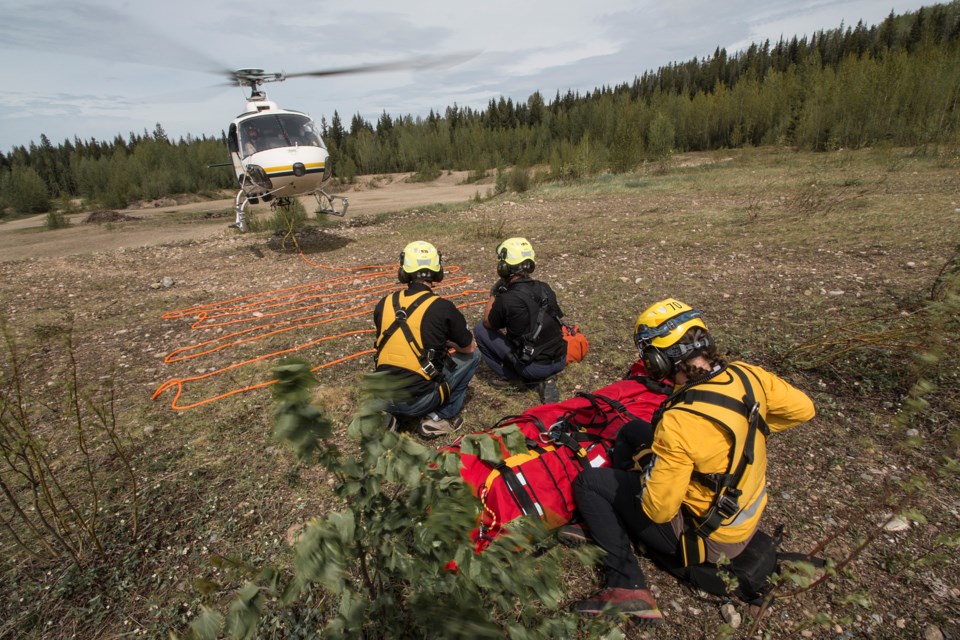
476, 175
56, 220
519, 180
347, 171
394, 554
25, 191
660, 137
490, 228
288, 217
426, 172
500, 185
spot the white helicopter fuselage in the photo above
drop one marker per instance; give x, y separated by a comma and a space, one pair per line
289, 171
278, 154
277, 151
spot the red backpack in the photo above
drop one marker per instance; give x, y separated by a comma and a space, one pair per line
526, 464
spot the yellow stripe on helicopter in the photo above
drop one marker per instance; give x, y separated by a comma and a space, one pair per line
289, 168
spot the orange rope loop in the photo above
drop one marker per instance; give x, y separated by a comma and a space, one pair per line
344, 300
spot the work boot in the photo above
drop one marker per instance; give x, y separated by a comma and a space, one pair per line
433, 426
637, 603
549, 392
574, 535
506, 383
389, 422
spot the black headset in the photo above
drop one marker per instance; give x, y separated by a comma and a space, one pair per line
505, 270
661, 363
423, 274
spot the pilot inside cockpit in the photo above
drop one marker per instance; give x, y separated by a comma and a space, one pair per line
251, 139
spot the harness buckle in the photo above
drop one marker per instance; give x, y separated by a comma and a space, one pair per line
526, 354
430, 369
727, 506
400, 314
754, 412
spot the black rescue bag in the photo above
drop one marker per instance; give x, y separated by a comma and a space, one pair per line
752, 569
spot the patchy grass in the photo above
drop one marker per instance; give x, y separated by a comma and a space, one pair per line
792, 257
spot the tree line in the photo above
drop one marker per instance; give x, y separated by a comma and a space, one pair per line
895, 83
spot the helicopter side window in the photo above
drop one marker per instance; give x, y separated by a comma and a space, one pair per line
309, 135
304, 137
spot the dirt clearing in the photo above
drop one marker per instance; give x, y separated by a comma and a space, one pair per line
165, 221
818, 266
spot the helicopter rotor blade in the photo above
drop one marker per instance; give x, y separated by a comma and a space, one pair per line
414, 64
99, 32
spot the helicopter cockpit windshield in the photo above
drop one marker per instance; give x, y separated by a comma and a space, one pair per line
277, 130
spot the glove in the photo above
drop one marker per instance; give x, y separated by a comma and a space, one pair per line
498, 287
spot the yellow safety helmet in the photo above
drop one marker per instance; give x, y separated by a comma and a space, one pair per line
420, 260
658, 331
515, 255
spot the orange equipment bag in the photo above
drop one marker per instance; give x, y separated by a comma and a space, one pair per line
577, 344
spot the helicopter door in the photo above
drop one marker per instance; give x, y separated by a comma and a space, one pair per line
232, 145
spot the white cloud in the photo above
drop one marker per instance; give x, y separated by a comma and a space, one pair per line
98, 68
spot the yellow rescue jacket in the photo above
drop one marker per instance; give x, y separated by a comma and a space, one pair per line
695, 441
400, 343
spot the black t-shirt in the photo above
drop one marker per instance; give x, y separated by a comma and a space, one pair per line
511, 311
442, 321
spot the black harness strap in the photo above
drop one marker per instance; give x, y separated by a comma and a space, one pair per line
653, 385
726, 492
595, 399
537, 306
567, 503
619, 407
514, 419
400, 316
541, 302
568, 440
517, 490
751, 400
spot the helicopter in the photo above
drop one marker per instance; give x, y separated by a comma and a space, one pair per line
278, 154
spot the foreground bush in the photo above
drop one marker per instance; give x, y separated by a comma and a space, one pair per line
396, 556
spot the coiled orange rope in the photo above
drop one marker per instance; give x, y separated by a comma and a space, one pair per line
348, 299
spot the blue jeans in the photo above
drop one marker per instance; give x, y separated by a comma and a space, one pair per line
457, 372
494, 347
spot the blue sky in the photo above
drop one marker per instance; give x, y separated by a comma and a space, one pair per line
96, 69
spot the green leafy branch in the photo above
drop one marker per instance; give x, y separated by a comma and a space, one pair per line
395, 560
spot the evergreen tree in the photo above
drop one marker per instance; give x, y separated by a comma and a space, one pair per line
660, 137
25, 191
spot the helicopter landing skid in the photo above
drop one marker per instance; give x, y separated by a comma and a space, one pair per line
239, 206
325, 202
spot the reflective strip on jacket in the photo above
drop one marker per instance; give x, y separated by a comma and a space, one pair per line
684, 442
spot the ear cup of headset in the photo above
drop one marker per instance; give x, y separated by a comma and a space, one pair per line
438, 275
656, 362
503, 269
